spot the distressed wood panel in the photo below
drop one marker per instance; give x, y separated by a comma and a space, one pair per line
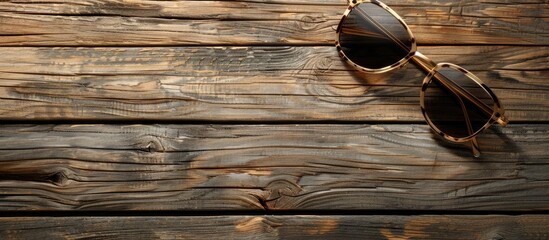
138, 74
248, 83
125, 23
273, 167
278, 227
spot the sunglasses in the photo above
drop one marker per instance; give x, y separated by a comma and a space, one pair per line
456, 104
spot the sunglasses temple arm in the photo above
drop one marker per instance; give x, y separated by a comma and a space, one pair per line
428, 65
474, 147
474, 144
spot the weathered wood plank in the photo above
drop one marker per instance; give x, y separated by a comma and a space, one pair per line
278, 227
123, 23
248, 83
276, 167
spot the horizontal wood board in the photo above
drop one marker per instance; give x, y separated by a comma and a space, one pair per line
137, 23
248, 83
278, 227
269, 167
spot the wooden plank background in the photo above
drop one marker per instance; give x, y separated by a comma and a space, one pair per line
276, 227
240, 22
269, 167
202, 109
248, 83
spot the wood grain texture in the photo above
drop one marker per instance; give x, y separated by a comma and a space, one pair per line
126, 23
274, 167
178, 60
278, 227
248, 83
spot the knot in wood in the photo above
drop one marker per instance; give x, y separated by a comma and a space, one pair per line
280, 189
323, 64
58, 178
308, 23
327, 88
150, 145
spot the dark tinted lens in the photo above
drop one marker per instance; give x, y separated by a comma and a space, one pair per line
372, 37
450, 111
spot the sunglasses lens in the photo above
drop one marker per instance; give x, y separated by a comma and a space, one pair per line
372, 37
453, 113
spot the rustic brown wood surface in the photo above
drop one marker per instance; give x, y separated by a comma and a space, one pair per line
246, 109
114, 22
277, 227
248, 83
269, 167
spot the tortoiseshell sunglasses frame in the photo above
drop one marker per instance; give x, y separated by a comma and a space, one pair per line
497, 111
